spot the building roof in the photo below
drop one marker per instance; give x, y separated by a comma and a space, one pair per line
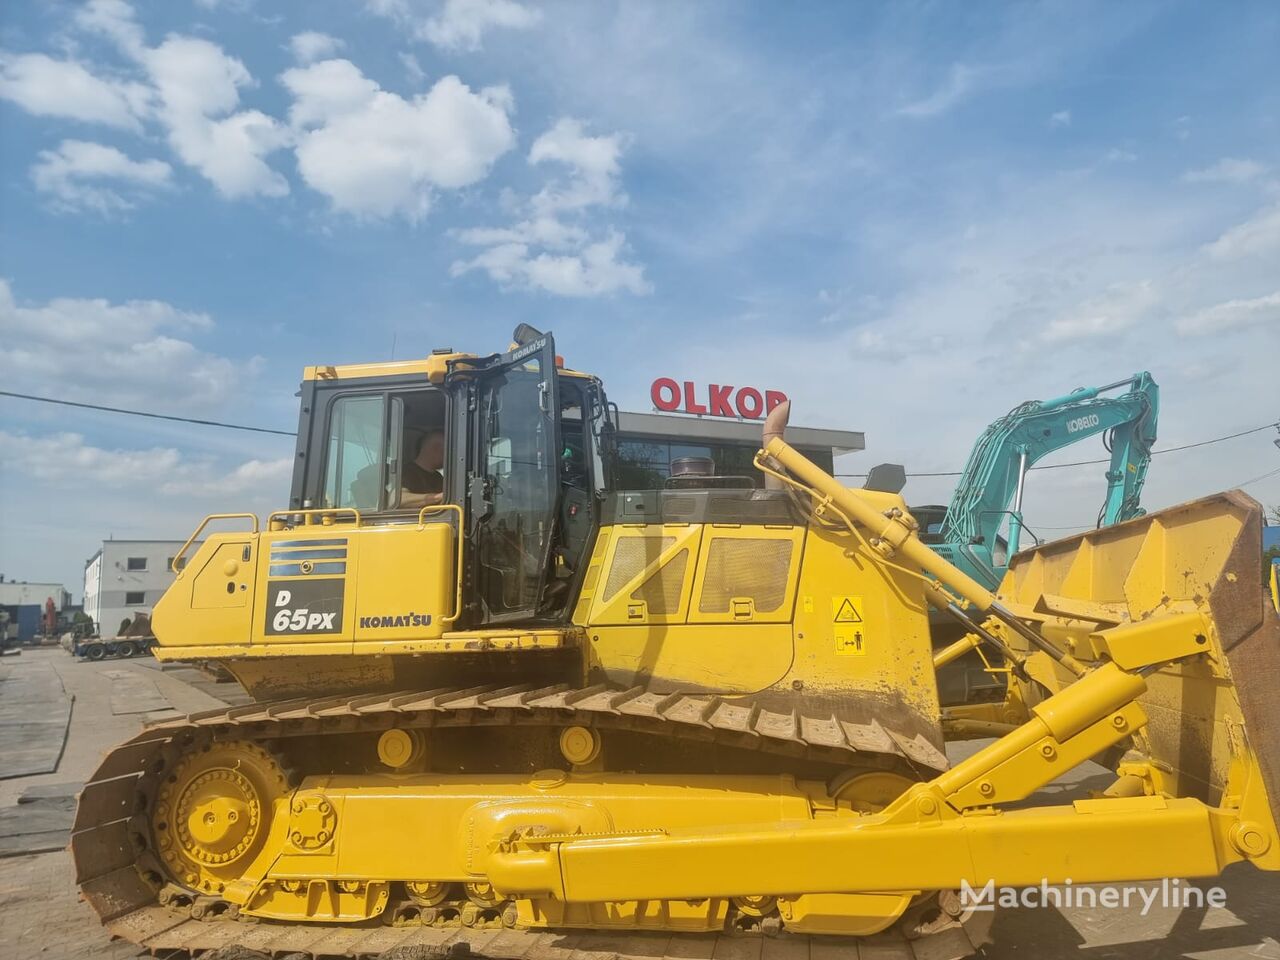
22, 593
156, 542
719, 430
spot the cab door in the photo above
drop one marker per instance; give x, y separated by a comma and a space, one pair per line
513, 479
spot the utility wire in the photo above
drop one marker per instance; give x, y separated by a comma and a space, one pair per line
1090, 526
1085, 463
1256, 479
290, 433
144, 413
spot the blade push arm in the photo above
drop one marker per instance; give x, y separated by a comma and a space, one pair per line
947, 831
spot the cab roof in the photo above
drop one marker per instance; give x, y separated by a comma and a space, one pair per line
432, 367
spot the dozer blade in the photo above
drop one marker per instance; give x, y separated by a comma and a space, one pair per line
1205, 712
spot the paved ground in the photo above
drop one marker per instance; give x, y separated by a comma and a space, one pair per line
40, 912
41, 917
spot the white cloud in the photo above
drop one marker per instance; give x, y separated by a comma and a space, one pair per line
198, 86
311, 45
457, 24
462, 23
67, 459
1122, 306
63, 88
375, 154
115, 20
132, 354
268, 477
327, 89
1226, 170
958, 85
194, 92
593, 270
1234, 315
371, 152
65, 456
1060, 119
541, 231
75, 176
552, 248
1258, 235
412, 68
593, 161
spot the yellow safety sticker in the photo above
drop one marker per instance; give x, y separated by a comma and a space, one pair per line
850, 642
846, 610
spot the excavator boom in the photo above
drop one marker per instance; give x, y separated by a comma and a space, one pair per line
989, 492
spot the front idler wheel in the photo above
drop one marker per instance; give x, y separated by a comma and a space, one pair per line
213, 810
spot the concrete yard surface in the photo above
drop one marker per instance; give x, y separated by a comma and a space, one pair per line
35, 710
41, 915
40, 911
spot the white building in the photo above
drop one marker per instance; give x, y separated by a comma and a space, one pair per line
20, 593
127, 577
25, 602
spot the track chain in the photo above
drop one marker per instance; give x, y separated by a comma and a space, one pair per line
109, 838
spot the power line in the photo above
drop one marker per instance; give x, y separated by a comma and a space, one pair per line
1085, 463
1271, 473
289, 433
148, 414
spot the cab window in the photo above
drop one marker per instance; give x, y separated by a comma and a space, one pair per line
385, 451
356, 434
519, 465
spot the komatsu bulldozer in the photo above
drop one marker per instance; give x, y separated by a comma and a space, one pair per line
504, 708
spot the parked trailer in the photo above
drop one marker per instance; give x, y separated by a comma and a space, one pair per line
134, 640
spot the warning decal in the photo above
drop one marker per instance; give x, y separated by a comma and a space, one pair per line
847, 623
850, 643
846, 609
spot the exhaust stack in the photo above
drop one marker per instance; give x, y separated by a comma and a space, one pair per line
775, 428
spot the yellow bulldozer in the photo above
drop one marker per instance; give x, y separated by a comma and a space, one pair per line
507, 709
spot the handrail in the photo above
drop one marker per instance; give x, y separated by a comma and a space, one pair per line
173, 564
457, 599
315, 511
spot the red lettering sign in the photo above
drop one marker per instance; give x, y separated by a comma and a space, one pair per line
691, 405
665, 394
721, 400
750, 403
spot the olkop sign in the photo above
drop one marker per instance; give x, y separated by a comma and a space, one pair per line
716, 400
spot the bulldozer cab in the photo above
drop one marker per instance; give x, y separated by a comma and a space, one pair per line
510, 449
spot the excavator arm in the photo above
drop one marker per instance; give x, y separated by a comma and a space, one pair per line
990, 489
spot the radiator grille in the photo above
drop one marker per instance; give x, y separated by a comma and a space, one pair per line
661, 592
633, 554
754, 568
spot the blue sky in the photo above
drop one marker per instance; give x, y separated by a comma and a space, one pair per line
908, 216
